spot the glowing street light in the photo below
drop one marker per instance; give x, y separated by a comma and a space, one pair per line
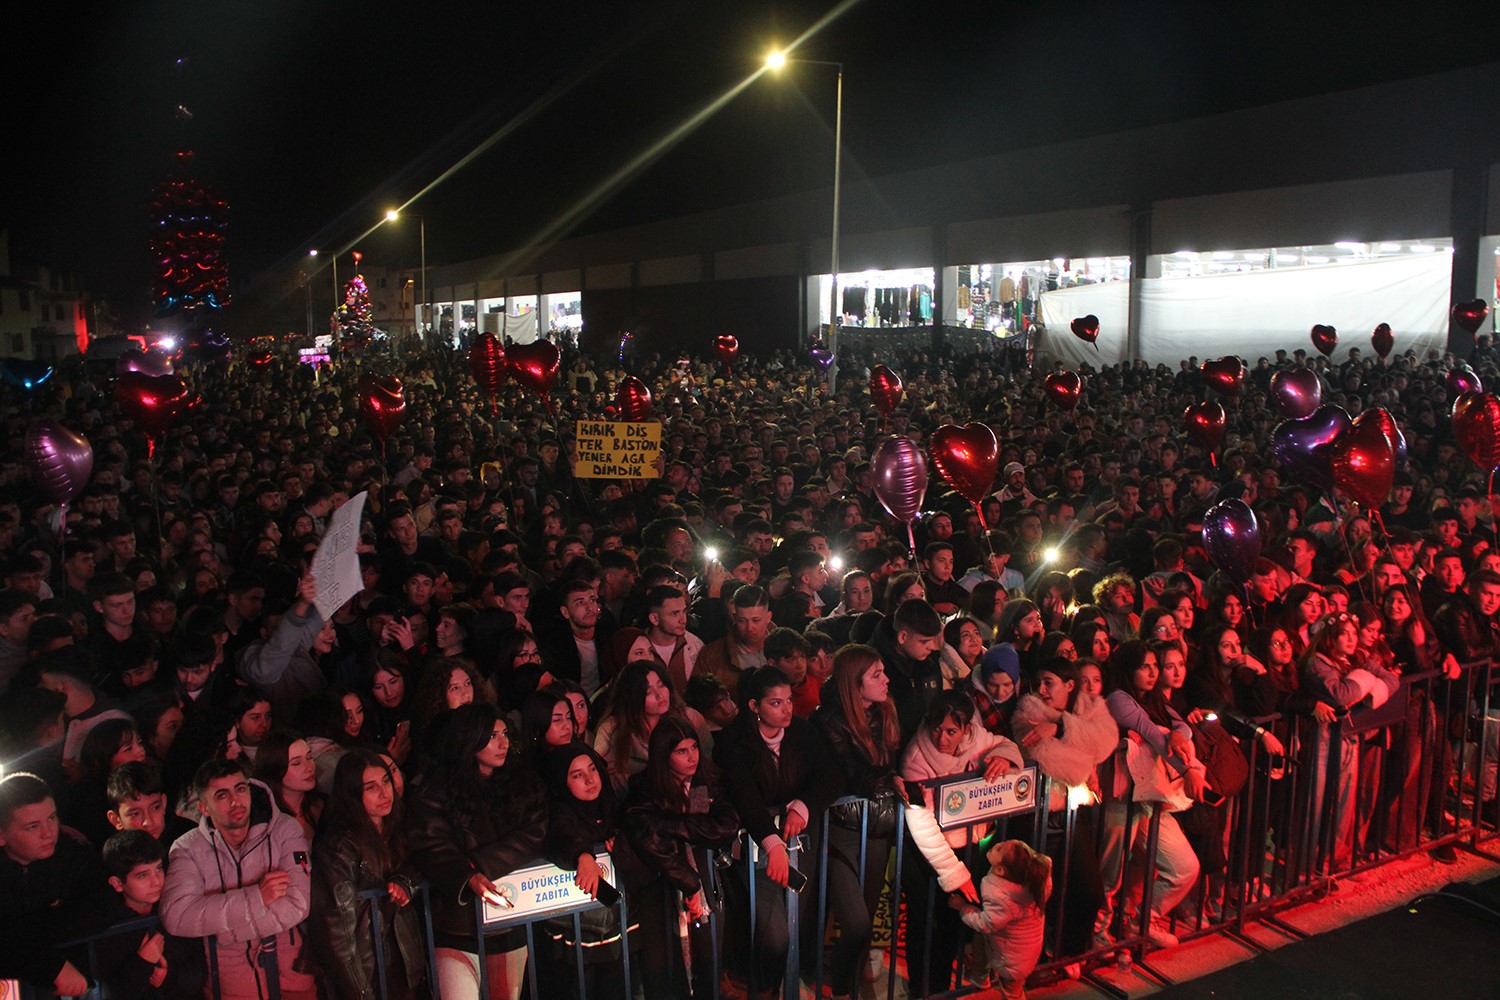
776, 60
313, 252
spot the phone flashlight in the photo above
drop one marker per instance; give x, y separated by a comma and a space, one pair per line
711, 554
835, 563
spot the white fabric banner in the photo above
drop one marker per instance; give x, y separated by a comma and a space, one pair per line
1108, 300
1254, 313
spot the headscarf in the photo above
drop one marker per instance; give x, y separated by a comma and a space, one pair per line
555, 765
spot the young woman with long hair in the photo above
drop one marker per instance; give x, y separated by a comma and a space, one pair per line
546, 722
361, 845
1341, 675
858, 719
677, 805
1021, 626
1304, 606
1067, 731
286, 766
388, 709
1168, 777
640, 697
963, 645
1414, 644
480, 814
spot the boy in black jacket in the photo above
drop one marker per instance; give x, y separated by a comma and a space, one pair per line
143, 964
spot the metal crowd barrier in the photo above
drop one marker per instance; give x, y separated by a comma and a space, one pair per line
1344, 799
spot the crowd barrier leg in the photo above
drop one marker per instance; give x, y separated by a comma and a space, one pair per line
791, 978
1148, 891
578, 955
625, 948
432, 976
890, 987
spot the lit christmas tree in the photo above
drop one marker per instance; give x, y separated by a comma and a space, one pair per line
351, 324
187, 243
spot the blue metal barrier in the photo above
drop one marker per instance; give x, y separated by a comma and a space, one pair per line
1287, 840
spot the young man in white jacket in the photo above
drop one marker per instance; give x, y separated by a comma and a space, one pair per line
241, 882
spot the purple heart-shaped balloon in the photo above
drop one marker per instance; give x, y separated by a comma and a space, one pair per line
1297, 392
821, 356
1231, 537
61, 461
1302, 445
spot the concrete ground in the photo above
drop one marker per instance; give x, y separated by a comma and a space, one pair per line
1392, 885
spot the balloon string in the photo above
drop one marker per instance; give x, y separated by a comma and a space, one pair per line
62, 547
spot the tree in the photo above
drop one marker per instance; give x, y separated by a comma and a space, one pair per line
188, 217
351, 324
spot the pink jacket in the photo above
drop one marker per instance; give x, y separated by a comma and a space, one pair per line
213, 892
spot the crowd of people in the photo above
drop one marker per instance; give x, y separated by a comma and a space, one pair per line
537, 665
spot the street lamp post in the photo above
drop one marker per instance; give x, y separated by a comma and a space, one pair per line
774, 61
335, 259
392, 215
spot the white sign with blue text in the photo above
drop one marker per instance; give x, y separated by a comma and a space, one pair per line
542, 891
969, 800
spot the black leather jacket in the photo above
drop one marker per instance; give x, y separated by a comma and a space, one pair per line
661, 836
858, 773
341, 930
448, 844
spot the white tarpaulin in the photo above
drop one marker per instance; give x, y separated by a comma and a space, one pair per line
1108, 300
520, 329
1254, 313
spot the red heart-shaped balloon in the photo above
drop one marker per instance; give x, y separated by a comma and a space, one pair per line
153, 401
1086, 328
1471, 315
1382, 340
259, 359
1205, 423
1064, 388
1325, 338
1226, 375
1392, 431
1364, 461
382, 400
885, 389
968, 457
727, 347
1476, 427
633, 399
534, 365
487, 363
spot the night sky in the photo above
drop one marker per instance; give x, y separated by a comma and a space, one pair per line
312, 117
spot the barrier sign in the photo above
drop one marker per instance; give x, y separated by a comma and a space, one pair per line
969, 800
543, 891
618, 449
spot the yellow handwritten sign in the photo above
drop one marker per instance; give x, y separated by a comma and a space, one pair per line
618, 449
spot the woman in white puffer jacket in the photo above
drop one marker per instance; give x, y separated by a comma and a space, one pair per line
950, 741
1068, 732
